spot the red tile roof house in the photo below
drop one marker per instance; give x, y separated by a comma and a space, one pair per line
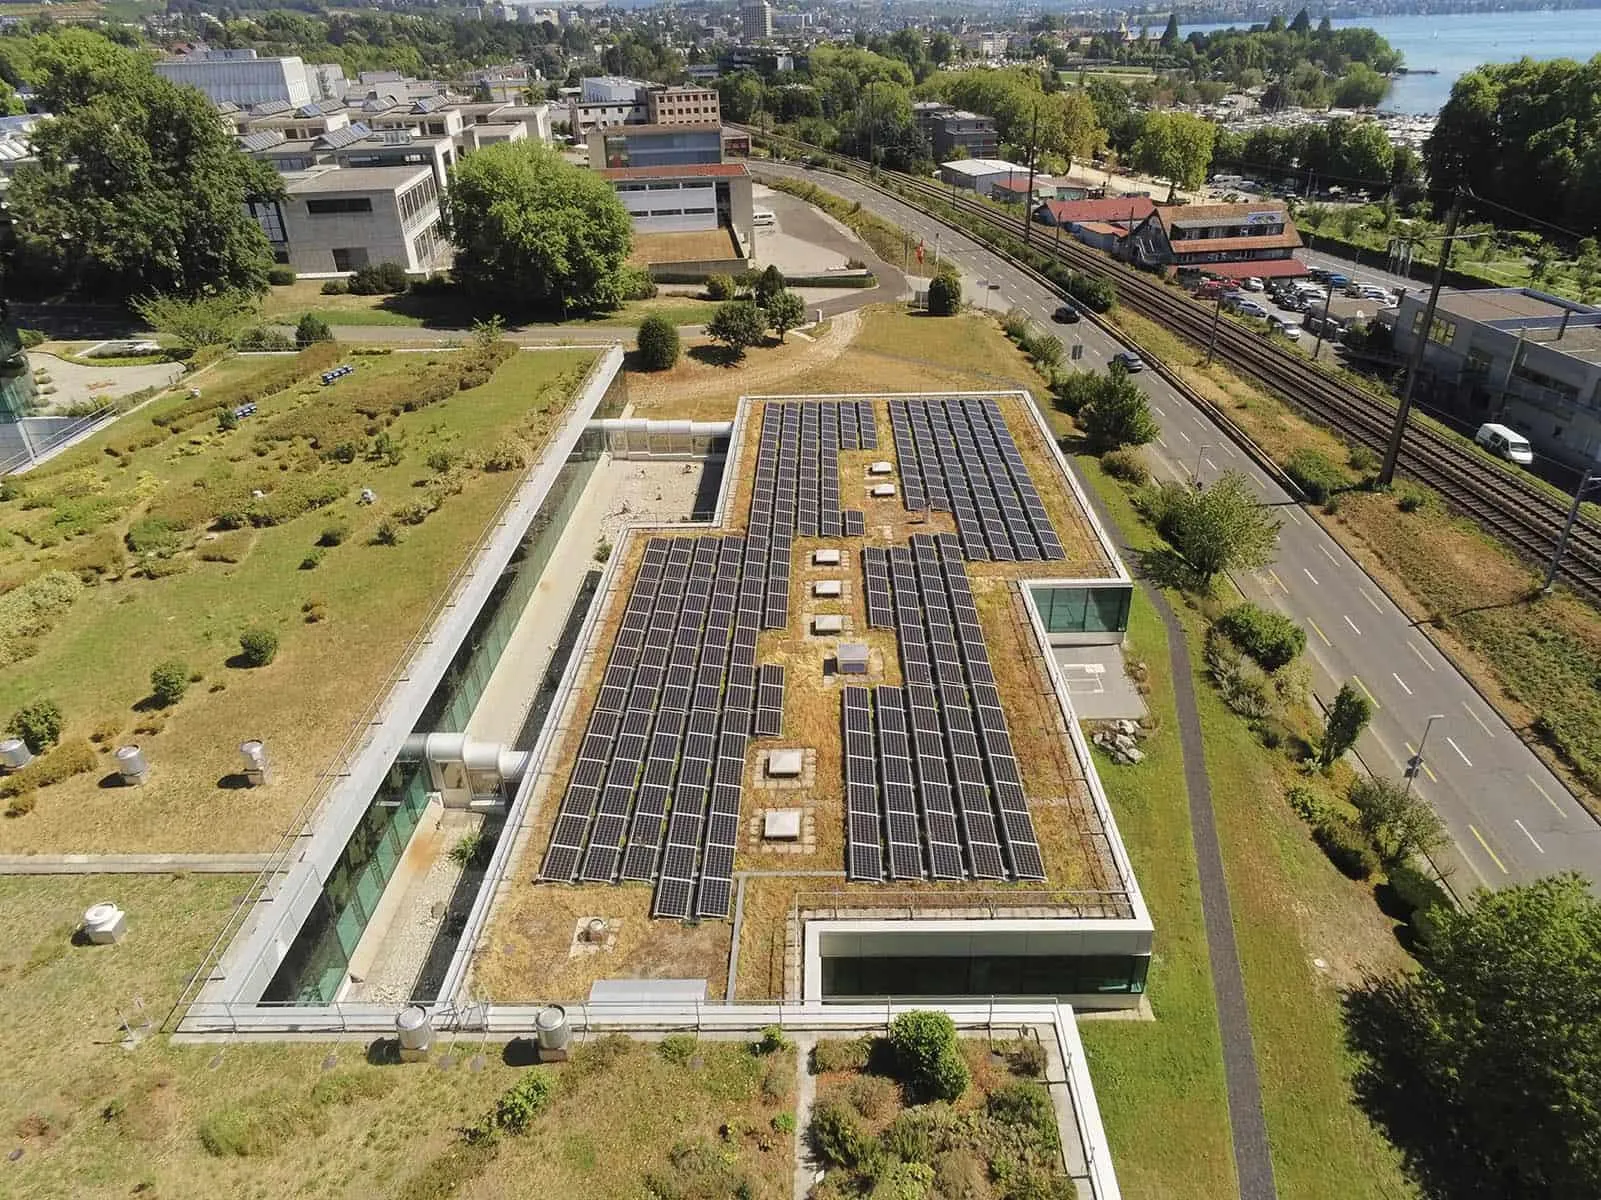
1232, 241
1099, 223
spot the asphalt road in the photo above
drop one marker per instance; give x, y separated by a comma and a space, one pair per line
1509, 817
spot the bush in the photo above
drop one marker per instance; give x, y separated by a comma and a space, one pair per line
333, 535
169, 681
258, 647
387, 533
1015, 324
37, 723
280, 275
524, 1101
312, 559
784, 1123
32, 337
838, 1138
720, 287
635, 283
773, 1040
833, 1054
1363, 460
945, 294
312, 329
261, 338
927, 1057
1097, 294
1126, 463
1026, 1057
379, 279
1316, 474
678, 1048
1307, 805
1044, 348
335, 287
1244, 686
1347, 849
1072, 390
870, 1095
63, 762
1422, 897
1410, 500
1026, 1105
1271, 638
658, 344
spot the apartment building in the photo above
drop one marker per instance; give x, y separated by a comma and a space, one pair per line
961, 134
756, 21
682, 106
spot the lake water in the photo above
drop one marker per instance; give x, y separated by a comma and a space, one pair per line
1454, 44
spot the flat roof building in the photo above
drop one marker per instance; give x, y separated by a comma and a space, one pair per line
241, 77
339, 219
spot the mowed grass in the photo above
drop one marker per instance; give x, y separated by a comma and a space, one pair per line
93, 1119
370, 599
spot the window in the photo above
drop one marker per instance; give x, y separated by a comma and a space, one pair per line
270, 217
350, 258
1442, 332
341, 204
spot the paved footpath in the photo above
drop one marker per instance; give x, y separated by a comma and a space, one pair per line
131, 864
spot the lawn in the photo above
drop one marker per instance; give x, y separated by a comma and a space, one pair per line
335, 1119
130, 542
1537, 660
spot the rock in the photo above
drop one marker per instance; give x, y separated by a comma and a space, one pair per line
1127, 726
1134, 755
1124, 742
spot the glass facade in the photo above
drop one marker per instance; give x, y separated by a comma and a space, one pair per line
1099, 608
985, 975
315, 965
17, 391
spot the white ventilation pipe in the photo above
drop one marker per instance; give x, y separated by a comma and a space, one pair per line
441, 749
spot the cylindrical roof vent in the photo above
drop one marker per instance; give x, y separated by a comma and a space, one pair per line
14, 754
551, 1030
132, 765
257, 772
415, 1029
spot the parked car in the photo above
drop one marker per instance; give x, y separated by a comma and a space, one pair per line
1253, 284
1288, 328
1129, 361
1336, 280
1250, 308
1066, 315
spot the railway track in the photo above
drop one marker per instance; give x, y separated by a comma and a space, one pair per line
1527, 518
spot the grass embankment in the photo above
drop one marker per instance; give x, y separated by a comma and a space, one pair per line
167, 535
331, 1119
1537, 659
1292, 911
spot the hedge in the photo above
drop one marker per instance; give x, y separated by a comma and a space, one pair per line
1317, 474
864, 279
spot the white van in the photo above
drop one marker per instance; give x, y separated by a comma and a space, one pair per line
763, 218
1508, 443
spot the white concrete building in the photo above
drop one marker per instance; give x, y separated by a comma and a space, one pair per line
335, 219
239, 76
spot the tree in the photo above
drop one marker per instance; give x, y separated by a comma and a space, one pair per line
1541, 261
137, 187
737, 324
1170, 35
1348, 716
1485, 1065
1360, 87
785, 311
945, 294
658, 344
740, 96
312, 328
1118, 414
1397, 822
1219, 528
1587, 269
1176, 147
531, 229
203, 321
169, 680
37, 723
769, 284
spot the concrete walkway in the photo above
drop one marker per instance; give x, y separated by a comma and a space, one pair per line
131, 864
805, 1098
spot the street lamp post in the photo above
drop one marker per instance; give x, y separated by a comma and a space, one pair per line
1195, 475
1585, 481
1415, 763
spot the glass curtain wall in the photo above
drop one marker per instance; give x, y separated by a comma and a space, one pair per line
1084, 609
985, 975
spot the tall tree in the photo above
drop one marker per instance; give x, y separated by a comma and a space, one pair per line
532, 230
1485, 1066
1176, 147
1219, 528
1117, 414
1348, 717
1170, 35
137, 188
1398, 822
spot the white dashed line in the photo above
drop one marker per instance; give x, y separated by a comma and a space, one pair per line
1561, 812
1419, 653
1372, 603
1209, 462
1310, 576
1293, 515
1352, 624
1402, 682
1328, 555
1528, 835
1158, 411
1184, 435
1452, 743
1476, 718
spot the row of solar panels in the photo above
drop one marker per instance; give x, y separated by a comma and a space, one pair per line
931, 775
664, 749
956, 455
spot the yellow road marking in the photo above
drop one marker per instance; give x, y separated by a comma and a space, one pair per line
1489, 851
1318, 631
1372, 699
1424, 765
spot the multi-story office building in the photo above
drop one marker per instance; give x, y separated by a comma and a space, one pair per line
756, 20
342, 219
960, 134
682, 106
239, 76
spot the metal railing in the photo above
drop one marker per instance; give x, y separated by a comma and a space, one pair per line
79, 427
282, 853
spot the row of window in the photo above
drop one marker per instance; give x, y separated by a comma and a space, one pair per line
675, 212
418, 201
1227, 231
339, 204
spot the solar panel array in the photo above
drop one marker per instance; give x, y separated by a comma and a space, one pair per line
796, 491
664, 751
957, 456
938, 749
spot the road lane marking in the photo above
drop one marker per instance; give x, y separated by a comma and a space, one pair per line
1372, 603
1489, 851
1452, 743
1411, 754
1278, 581
1372, 699
1316, 630
1475, 716
1184, 435
1419, 653
1536, 786
1352, 624
1161, 443
1209, 462
1327, 555
1157, 410
1310, 576
1294, 516
1528, 835
1402, 682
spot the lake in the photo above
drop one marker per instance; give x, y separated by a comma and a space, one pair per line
1454, 44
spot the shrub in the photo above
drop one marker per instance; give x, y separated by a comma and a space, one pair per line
314, 611
1422, 897
169, 681
32, 337
312, 559
379, 279
833, 1054
1410, 500
784, 1123
38, 723
1097, 294
838, 1138
1347, 849
1072, 390
1015, 324
1126, 463
154, 535
1026, 1105
524, 1101
335, 287
312, 329
280, 275
945, 294
1044, 348
773, 1040
678, 1048
333, 535
1307, 805
63, 762
509, 454
1243, 685
635, 283
22, 805
658, 344
1316, 474
1271, 638
262, 337
258, 647
1363, 460
387, 533
927, 1057
720, 287
1026, 1057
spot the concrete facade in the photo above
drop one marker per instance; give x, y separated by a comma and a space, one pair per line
240, 77
683, 106
1517, 356
343, 220
960, 134
655, 145
688, 198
